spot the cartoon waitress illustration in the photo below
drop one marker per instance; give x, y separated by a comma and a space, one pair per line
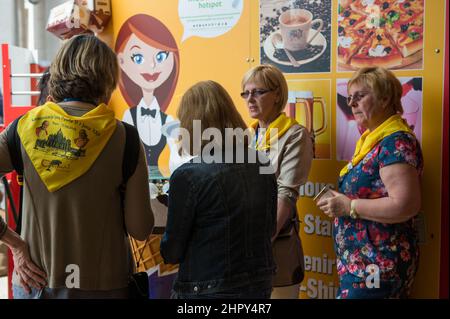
149, 60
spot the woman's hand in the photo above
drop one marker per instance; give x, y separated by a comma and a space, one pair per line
28, 273
336, 206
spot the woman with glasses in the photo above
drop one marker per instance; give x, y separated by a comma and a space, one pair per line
289, 147
379, 194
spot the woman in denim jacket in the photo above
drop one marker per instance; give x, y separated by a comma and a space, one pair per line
222, 205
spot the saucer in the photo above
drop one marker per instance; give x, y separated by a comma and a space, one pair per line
269, 49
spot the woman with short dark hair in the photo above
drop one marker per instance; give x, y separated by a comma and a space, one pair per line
73, 241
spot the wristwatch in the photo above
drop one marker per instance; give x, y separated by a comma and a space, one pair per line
353, 213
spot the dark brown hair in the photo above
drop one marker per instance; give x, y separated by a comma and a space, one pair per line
43, 87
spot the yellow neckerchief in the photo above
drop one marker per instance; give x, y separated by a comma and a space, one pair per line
282, 123
63, 147
368, 139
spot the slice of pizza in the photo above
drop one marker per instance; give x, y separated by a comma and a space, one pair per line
398, 11
378, 12
377, 51
407, 32
402, 7
367, 7
352, 34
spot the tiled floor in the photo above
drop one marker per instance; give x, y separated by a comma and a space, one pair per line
3, 288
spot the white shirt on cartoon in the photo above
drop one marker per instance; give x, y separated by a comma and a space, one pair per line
149, 129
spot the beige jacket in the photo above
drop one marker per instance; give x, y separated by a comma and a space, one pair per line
291, 158
82, 223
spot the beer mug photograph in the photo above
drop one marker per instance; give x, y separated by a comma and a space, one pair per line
311, 112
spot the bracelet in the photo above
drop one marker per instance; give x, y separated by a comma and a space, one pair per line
353, 213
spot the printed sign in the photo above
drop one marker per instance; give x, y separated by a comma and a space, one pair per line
208, 18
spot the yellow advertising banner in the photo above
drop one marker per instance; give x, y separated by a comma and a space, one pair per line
164, 47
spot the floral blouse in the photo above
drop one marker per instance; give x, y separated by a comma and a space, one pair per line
361, 243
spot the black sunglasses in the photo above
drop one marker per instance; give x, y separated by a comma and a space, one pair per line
356, 97
255, 93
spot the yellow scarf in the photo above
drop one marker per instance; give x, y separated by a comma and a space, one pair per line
63, 147
282, 123
369, 139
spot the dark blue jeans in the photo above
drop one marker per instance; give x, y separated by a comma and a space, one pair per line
65, 293
259, 290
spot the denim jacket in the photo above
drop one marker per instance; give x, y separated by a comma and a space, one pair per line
221, 218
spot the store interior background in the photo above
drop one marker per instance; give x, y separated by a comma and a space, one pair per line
23, 25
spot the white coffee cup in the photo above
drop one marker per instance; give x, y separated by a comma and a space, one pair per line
295, 25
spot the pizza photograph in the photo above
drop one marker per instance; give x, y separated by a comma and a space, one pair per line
386, 33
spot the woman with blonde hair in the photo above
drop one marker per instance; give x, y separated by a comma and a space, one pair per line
289, 147
375, 236
219, 225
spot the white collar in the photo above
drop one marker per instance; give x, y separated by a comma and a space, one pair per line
153, 106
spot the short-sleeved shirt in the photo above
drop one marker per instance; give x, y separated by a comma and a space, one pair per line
359, 242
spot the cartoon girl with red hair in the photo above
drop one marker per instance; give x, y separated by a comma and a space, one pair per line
149, 61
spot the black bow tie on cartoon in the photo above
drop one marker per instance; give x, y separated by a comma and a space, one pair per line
146, 112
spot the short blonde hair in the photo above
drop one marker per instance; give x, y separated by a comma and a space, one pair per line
210, 103
272, 78
383, 83
84, 68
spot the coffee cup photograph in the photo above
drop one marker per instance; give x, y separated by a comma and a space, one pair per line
295, 35
295, 26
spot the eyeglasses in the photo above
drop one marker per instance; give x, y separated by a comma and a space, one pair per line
355, 98
255, 93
